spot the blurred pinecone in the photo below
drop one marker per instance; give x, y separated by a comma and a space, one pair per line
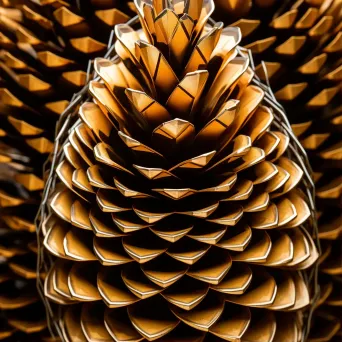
180, 215
44, 51
301, 45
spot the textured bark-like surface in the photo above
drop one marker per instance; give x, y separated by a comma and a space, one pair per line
178, 208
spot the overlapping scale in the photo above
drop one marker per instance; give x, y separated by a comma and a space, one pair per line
297, 47
44, 51
21, 310
178, 212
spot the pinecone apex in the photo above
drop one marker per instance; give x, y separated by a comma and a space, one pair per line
172, 78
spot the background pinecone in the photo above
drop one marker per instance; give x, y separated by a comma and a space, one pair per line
180, 214
45, 49
301, 45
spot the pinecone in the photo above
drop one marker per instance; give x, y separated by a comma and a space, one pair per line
180, 214
300, 43
44, 51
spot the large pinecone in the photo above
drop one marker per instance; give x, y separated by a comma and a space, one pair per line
301, 45
45, 47
180, 214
